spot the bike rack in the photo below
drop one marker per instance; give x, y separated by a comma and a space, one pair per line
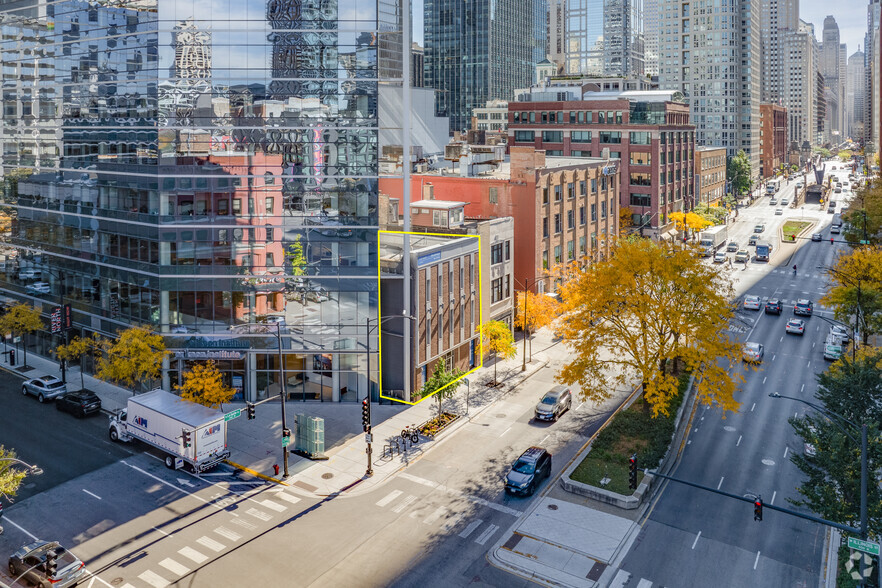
391, 446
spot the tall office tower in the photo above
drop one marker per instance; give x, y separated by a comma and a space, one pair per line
605, 37
830, 69
477, 51
777, 18
540, 31
556, 21
417, 66
801, 57
718, 70
843, 89
855, 95
201, 172
650, 37
873, 10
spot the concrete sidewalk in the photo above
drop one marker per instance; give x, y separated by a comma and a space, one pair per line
256, 445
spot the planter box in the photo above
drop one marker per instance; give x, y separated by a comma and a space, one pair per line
441, 429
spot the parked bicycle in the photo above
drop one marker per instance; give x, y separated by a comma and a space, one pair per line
410, 432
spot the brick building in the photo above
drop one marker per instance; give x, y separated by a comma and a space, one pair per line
648, 131
773, 139
710, 174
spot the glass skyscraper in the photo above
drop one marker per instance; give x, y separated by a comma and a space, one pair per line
200, 165
604, 37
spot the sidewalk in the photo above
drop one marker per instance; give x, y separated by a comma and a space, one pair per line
256, 444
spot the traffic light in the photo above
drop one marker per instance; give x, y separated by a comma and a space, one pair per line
250, 408
632, 472
51, 563
366, 415
186, 435
758, 509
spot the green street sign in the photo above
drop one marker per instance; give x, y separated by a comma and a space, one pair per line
232, 415
865, 546
286, 441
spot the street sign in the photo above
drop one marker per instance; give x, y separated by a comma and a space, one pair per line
368, 438
286, 441
865, 546
232, 415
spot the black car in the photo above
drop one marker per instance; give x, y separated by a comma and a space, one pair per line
80, 403
530, 468
773, 306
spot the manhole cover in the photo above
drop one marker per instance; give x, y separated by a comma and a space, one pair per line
769, 462
552, 507
501, 415
327, 476
116, 581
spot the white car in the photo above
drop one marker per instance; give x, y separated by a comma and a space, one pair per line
720, 257
38, 288
785, 202
28, 274
752, 302
773, 201
779, 211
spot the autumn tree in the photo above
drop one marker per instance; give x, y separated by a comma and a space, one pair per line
496, 338
77, 350
738, 172
856, 289
689, 220
626, 219
535, 311
10, 477
644, 311
864, 216
442, 383
21, 320
204, 384
134, 356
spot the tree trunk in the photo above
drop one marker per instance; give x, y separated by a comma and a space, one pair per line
24, 341
82, 377
495, 359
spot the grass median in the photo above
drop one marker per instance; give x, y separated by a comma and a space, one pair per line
631, 431
792, 228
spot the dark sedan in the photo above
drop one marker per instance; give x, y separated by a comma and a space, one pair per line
773, 306
80, 403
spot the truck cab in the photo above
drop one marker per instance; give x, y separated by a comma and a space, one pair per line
118, 426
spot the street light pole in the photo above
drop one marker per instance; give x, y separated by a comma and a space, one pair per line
283, 392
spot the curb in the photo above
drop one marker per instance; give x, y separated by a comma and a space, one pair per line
254, 473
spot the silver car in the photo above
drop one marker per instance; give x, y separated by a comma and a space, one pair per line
29, 562
556, 401
44, 388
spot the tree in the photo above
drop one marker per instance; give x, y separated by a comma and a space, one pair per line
689, 220
21, 320
857, 289
77, 350
442, 383
134, 356
539, 310
644, 312
864, 216
831, 487
738, 172
10, 477
204, 384
496, 338
626, 219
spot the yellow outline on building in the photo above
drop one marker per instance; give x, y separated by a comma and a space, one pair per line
479, 351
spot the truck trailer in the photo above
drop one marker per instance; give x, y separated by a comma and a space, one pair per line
712, 239
188, 433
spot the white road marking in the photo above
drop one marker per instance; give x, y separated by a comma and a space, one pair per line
809, 365
20, 528
580, 405
795, 415
231, 535
153, 579
644, 583
259, 514
773, 357
287, 497
756, 561
470, 528
91, 494
803, 388
694, 543
408, 500
497, 507
439, 512
786, 449
544, 438
243, 523
210, 543
739, 441
752, 407
174, 567
451, 522
389, 497
622, 578
764, 379
488, 532
775, 493
192, 554
126, 585
721, 482
170, 485
273, 505
162, 532
505, 431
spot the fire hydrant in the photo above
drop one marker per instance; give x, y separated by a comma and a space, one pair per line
276, 468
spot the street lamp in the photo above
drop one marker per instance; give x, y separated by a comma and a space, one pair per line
65, 332
32, 469
839, 420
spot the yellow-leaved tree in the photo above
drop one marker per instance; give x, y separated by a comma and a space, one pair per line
134, 356
857, 289
21, 320
204, 384
10, 477
78, 349
639, 313
537, 311
496, 338
689, 220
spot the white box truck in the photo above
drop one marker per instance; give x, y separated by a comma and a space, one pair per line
712, 239
193, 433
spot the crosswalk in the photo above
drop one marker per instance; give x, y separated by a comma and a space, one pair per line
623, 579
738, 269
221, 538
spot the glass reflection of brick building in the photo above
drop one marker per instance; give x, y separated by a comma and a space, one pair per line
199, 170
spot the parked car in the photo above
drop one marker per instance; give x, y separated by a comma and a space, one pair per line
803, 307
795, 326
840, 332
773, 306
720, 257
38, 288
28, 274
742, 256
530, 468
759, 228
832, 348
752, 302
80, 403
44, 388
29, 562
753, 239
732, 247
817, 236
753, 352
556, 401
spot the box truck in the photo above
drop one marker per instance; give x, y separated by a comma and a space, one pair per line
712, 239
763, 250
186, 432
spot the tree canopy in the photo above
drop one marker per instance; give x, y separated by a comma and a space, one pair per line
22, 320
539, 310
689, 220
738, 172
856, 289
864, 217
637, 312
204, 384
442, 383
496, 338
77, 349
134, 356
10, 476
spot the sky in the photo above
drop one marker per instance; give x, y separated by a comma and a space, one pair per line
851, 16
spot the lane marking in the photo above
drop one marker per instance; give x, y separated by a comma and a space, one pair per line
174, 567
694, 543
210, 543
243, 523
404, 504
786, 449
259, 514
451, 522
161, 531
803, 388
389, 497
178, 488
287, 497
764, 379
231, 535
644, 583
775, 493
721, 482
505, 431
192, 554
474, 499
752, 407
20, 528
756, 561
482, 539
580, 405
809, 365
154, 579
470, 528
273, 505
439, 512
544, 438
91, 494
781, 339
739, 441
622, 578
773, 357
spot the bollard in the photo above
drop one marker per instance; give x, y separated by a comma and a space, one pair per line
12, 357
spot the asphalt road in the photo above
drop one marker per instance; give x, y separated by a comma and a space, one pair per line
696, 538
62, 445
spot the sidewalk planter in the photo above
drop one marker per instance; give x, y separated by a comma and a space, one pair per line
432, 427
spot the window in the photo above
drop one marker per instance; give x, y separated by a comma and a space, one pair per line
450, 279
581, 117
618, 117
582, 245
603, 183
558, 193
603, 209
571, 251
269, 179
496, 290
577, 153
528, 136
582, 186
580, 137
640, 200
269, 205
554, 152
428, 288
237, 206
601, 117
639, 137
496, 253
593, 213
571, 190
223, 236
545, 227
571, 219
494, 195
593, 185
641, 179
269, 235
438, 218
572, 117
506, 286
581, 215
545, 259
552, 136
664, 156
557, 254
589, 116
641, 158
532, 117
557, 224
614, 137
223, 207
507, 250
270, 259
544, 195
